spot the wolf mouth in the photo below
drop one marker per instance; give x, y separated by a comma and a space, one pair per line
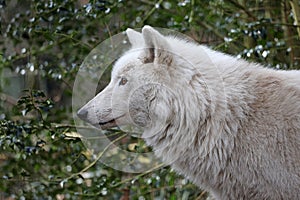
109, 124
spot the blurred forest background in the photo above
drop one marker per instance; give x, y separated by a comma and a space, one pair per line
42, 45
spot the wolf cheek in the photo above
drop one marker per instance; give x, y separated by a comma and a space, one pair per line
139, 102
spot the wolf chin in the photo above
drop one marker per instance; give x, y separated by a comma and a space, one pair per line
230, 126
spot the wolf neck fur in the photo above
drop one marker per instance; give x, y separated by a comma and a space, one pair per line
213, 128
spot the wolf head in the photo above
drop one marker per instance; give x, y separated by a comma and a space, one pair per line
170, 88
135, 80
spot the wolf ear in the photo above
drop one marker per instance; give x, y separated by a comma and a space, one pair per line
157, 47
135, 38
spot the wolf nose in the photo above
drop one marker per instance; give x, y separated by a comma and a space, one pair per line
82, 114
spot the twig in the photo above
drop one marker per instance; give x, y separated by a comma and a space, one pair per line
150, 12
201, 195
243, 8
138, 176
95, 161
296, 11
192, 11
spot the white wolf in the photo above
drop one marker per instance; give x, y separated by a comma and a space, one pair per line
230, 126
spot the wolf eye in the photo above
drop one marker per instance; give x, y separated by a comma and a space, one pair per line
123, 81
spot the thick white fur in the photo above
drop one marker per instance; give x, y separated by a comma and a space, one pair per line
230, 126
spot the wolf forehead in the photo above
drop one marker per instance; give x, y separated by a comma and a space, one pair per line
133, 63
126, 63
